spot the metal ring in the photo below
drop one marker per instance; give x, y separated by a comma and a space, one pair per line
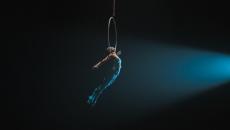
115, 29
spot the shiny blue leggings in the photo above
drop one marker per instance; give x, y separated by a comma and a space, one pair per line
92, 99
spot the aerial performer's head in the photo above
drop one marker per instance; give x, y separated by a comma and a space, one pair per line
111, 49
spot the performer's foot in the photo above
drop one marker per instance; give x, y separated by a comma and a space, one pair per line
90, 99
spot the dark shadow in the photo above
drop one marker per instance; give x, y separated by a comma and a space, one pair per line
207, 110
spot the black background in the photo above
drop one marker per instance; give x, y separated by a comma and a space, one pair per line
51, 47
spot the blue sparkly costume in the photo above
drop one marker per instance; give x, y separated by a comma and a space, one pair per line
98, 91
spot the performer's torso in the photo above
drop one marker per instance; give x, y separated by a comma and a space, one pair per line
116, 64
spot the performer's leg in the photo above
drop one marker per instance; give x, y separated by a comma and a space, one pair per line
96, 93
99, 90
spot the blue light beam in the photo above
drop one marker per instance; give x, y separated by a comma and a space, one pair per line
159, 74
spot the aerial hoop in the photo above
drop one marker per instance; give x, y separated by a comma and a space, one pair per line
112, 19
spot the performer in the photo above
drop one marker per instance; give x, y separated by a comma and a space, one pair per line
116, 61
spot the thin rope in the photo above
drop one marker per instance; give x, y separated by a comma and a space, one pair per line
112, 19
114, 8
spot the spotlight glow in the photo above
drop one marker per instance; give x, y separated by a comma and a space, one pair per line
165, 73
156, 75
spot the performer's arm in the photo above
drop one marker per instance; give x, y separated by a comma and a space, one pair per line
101, 62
